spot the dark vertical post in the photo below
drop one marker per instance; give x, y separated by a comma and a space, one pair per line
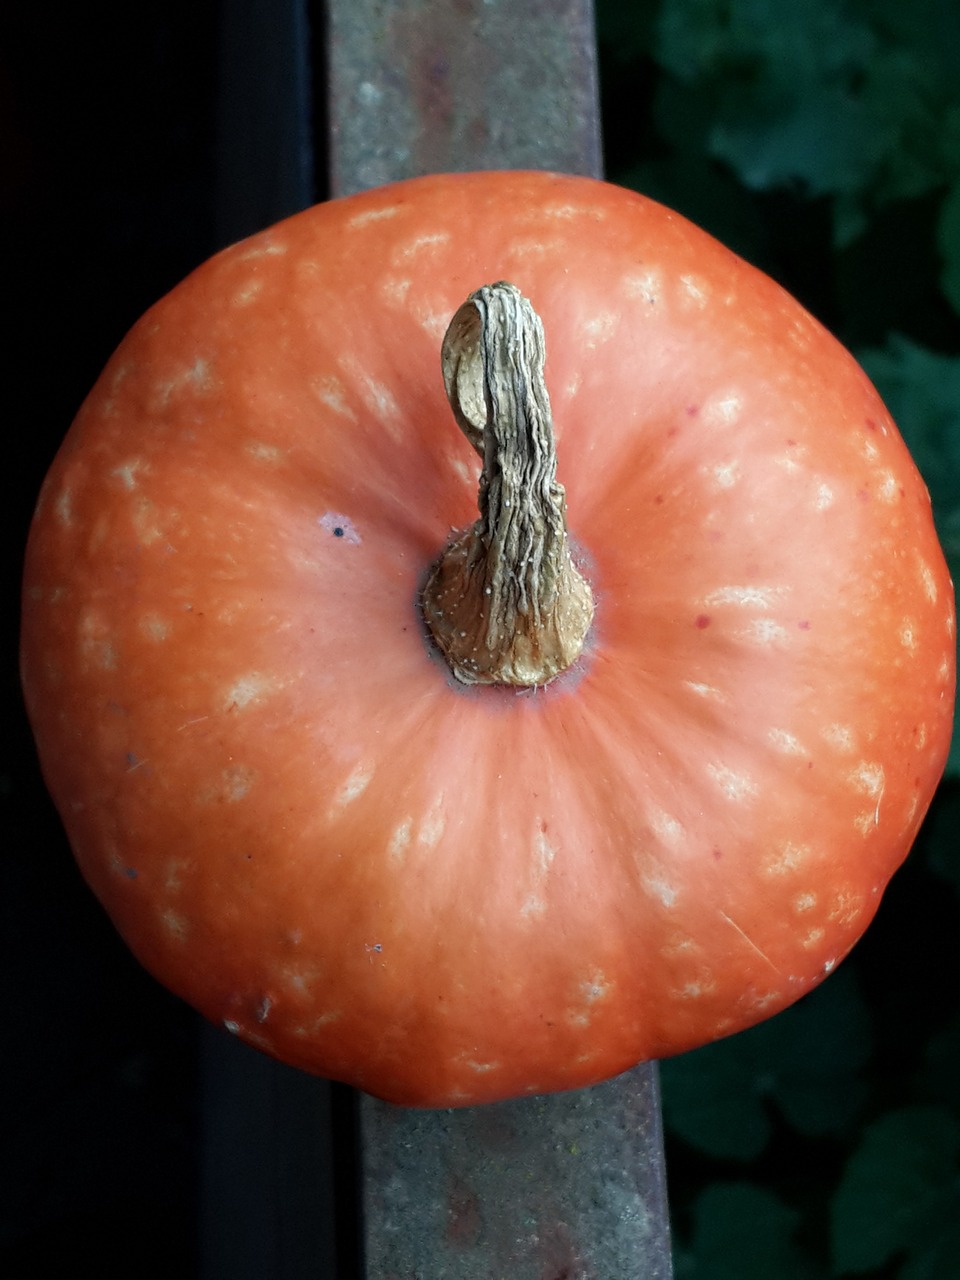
570, 1186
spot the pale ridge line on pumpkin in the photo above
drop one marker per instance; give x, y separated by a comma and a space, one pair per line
763, 955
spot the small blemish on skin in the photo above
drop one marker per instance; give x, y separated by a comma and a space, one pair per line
735, 786
661, 889
433, 826
175, 924
330, 391
154, 627
340, 526
785, 742
645, 285
400, 840
126, 473
702, 621
839, 736
249, 688
431, 240
354, 787
694, 290
364, 219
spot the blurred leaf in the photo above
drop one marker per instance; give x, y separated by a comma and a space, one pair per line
942, 835
899, 1193
948, 239
858, 101
742, 1232
626, 29
939, 1077
806, 1061
922, 390
936, 1260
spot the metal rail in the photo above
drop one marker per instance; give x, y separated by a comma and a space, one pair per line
572, 1186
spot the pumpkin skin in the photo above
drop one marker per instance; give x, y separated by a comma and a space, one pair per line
297, 818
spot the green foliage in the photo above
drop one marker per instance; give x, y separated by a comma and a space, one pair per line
743, 1232
900, 1194
806, 1063
853, 101
922, 391
821, 140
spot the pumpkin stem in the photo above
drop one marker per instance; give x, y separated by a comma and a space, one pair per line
504, 602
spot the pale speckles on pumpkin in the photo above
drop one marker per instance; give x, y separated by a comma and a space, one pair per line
175, 924
126, 473
812, 938
659, 887
733, 785
889, 488
331, 392
146, 523
868, 778
395, 290
196, 377
668, 829
154, 627
724, 475
269, 453
787, 859
748, 597
645, 286
480, 1068
599, 329
340, 527
375, 397
97, 642
696, 988
248, 689
433, 825
231, 786
804, 902
824, 497
693, 292
847, 908
64, 506
928, 581
569, 212
544, 853
399, 841
722, 410
249, 292
354, 787
841, 737
785, 742
262, 246
368, 217
319, 1023
467, 474
908, 637
708, 691
765, 632
420, 245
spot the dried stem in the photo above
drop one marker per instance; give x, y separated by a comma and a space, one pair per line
505, 603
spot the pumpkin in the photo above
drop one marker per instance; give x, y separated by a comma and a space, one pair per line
270, 652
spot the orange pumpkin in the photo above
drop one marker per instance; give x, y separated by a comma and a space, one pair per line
445, 892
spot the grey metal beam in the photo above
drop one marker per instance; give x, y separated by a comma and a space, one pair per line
570, 1186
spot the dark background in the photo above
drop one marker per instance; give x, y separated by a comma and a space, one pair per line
822, 141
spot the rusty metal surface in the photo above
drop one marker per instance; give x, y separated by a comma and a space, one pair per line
565, 1187
568, 1187
431, 86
